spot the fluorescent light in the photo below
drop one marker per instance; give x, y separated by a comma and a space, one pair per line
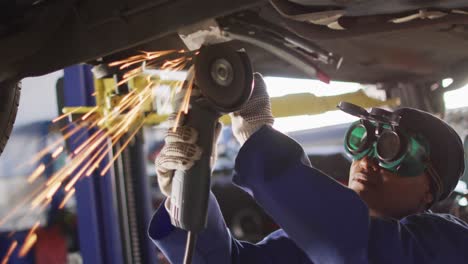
278, 86
303, 122
456, 98
463, 201
461, 187
446, 82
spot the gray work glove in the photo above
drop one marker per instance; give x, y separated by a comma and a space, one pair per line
179, 153
254, 114
180, 150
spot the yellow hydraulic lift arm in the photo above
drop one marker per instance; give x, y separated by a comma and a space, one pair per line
289, 105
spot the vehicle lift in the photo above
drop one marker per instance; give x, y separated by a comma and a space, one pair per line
114, 210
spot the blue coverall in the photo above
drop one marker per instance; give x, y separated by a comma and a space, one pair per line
322, 221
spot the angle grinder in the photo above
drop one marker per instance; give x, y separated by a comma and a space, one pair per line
225, 79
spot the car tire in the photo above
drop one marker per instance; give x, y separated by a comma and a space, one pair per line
10, 91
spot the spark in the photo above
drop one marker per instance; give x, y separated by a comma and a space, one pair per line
44, 204
177, 120
36, 173
89, 140
49, 148
172, 63
126, 98
128, 76
104, 171
103, 155
55, 120
53, 189
57, 175
72, 183
79, 162
92, 169
12, 248
83, 132
108, 133
62, 129
185, 102
28, 244
80, 172
19, 205
45, 194
57, 152
185, 105
89, 113
125, 63
67, 198
34, 228
37, 201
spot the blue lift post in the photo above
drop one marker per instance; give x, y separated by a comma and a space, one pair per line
113, 210
133, 196
98, 223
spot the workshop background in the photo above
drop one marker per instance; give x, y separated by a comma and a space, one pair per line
75, 233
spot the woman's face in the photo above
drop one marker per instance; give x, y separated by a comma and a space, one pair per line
387, 194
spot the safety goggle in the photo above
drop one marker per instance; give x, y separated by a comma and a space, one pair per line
395, 150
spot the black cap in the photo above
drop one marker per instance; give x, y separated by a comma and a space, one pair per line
446, 147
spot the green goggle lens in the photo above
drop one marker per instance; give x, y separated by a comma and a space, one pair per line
357, 137
388, 146
415, 160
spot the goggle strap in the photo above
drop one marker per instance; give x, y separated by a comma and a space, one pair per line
436, 181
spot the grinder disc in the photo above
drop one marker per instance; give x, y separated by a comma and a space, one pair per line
224, 77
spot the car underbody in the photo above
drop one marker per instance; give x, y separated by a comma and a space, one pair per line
406, 47
426, 44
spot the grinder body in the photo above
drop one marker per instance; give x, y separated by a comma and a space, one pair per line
190, 189
225, 79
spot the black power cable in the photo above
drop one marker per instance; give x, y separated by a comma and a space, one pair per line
190, 247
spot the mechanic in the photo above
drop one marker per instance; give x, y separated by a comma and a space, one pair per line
382, 216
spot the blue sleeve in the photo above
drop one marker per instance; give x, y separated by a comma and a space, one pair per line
216, 245
329, 221
420, 238
213, 244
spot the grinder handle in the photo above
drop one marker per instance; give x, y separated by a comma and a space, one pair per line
190, 189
